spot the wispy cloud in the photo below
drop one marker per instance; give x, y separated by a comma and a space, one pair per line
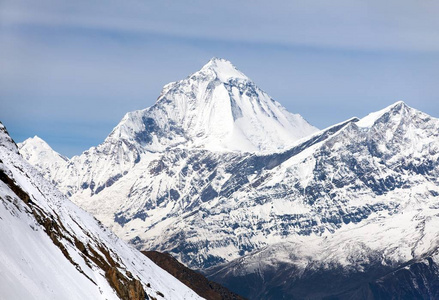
352, 24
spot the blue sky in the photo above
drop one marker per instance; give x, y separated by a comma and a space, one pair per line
70, 70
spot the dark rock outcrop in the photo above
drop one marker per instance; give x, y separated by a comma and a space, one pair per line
194, 280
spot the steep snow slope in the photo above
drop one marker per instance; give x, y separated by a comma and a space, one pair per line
51, 249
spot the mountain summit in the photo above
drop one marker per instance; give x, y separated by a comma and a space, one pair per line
217, 108
223, 69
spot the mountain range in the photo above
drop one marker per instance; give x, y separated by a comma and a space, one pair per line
229, 182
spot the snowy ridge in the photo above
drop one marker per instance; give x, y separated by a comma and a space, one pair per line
51, 249
376, 197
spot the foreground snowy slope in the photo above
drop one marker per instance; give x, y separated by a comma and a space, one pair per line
51, 249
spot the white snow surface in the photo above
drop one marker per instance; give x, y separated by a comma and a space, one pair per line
33, 267
37, 152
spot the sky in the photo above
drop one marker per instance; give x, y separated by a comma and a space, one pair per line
70, 70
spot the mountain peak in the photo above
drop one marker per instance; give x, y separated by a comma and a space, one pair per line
371, 118
38, 150
398, 103
216, 108
36, 140
397, 106
216, 62
223, 69
35, 143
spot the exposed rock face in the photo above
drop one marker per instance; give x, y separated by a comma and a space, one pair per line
126, 288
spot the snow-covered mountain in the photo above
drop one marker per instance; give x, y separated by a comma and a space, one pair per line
217, 108
37, 152
360, 194
51, 249
217, 113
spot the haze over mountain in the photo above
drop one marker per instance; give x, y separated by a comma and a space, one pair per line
225, 179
